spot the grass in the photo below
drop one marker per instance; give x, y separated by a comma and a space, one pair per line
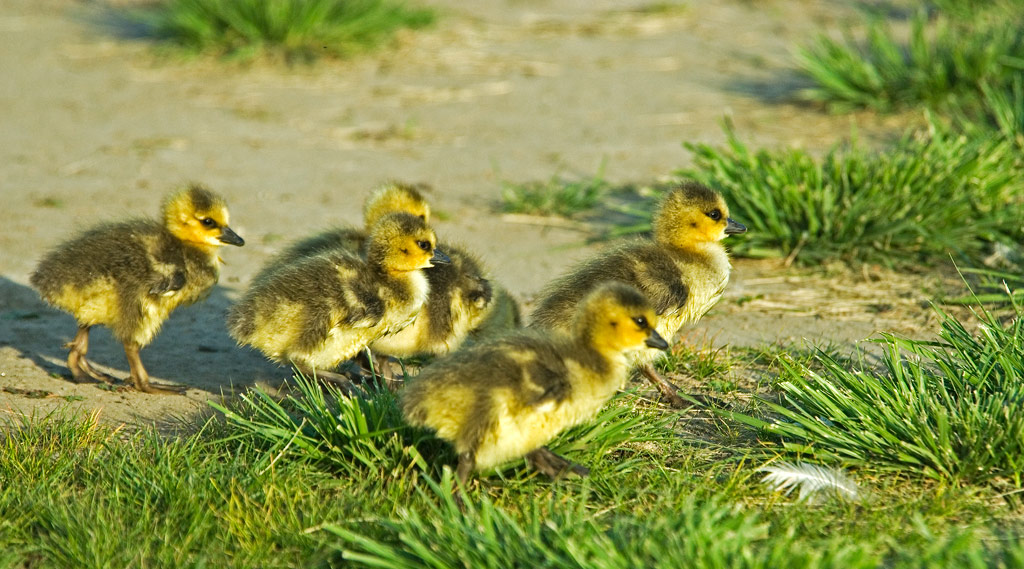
295, 30
943, 408
74, 493
994, 286
932, 195
555, 197
571, 532
574, 531
319, 425
771, 362
703, 364
318, 480
1002, 110
946, 60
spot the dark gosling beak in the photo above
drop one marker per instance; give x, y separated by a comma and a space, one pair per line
230, 237
656, 341
440, 257
733, 227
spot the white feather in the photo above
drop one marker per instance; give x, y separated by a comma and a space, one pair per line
810, 479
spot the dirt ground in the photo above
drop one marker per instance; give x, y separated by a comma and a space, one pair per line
97, 128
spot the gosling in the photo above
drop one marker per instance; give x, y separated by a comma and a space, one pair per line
459, 301
391, 198
130, 276
505, 398
683, 270
321, 310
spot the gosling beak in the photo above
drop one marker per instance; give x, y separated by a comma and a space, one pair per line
440, 257
734, 227
656, 341
230, 237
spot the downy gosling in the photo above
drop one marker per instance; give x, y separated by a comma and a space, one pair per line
129, 276
460, 300
505, 398
321, 310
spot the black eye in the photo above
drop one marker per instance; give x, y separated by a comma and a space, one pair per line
641, 322
207, 222
425, 245
715, 214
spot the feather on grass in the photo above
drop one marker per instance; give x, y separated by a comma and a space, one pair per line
810, 479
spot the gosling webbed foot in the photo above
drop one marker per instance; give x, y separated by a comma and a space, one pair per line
160, 388
393, 380
376, 367
342, 382
553, 465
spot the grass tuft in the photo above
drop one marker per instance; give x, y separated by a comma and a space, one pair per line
932, 195
555, 197
945, 60
297, 30
481, 535
619, 426
946, 409
320, 425
704, 364
994, 286
1001, 110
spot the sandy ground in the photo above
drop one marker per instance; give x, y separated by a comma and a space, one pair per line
97, 128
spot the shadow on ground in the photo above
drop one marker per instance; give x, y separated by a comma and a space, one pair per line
193, 349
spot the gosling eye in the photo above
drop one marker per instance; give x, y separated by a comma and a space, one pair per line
715, 214
425, 245
641, 322
422, 216
208, 223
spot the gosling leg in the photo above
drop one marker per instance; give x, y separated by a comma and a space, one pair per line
467, 463
140, 377
81, 370
668, 391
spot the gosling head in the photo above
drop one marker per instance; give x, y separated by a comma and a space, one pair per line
618, 318
692, 214
402, 242
393, 198
198, 216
